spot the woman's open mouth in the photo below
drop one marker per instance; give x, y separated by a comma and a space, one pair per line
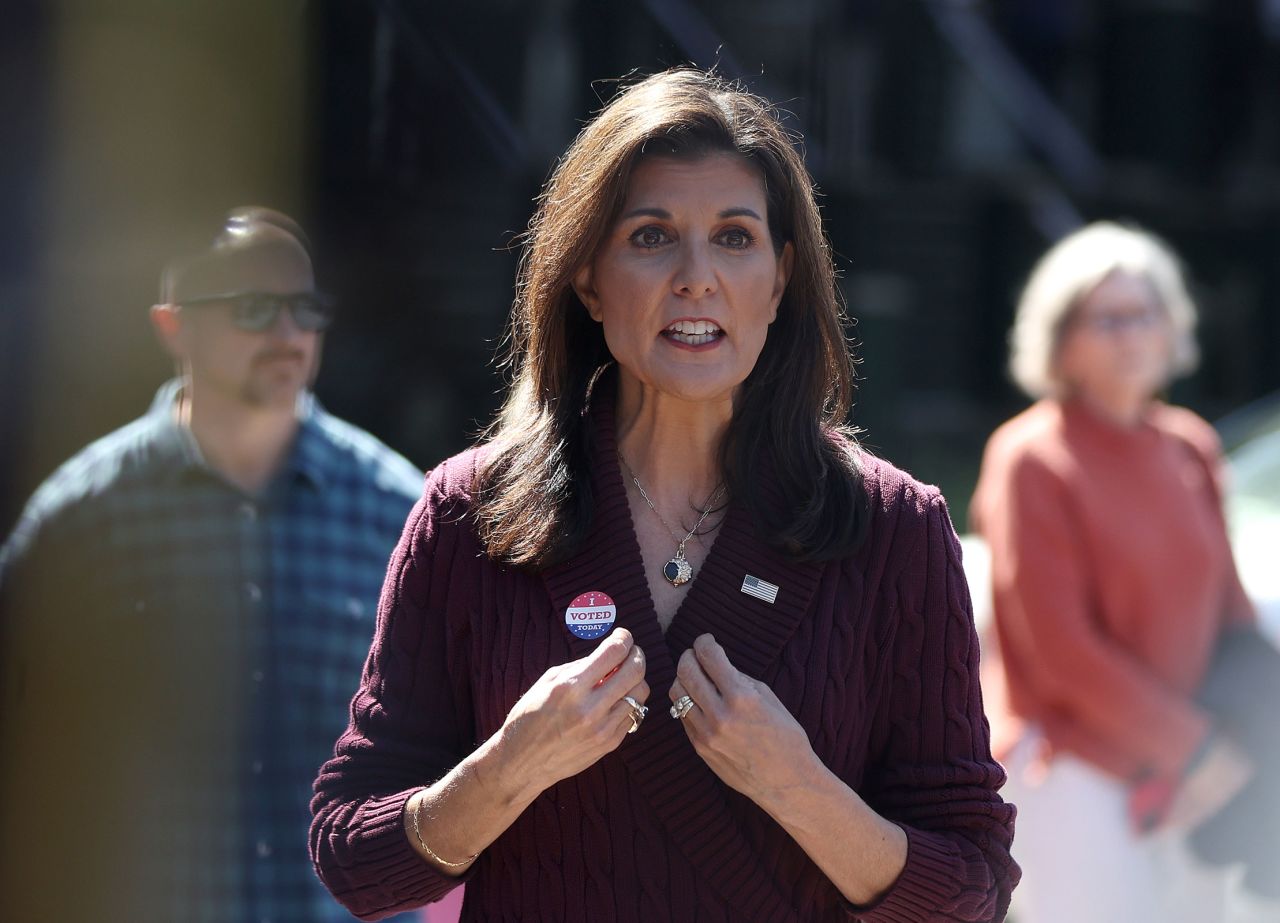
693, 332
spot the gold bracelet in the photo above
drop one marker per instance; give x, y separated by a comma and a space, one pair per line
427, 849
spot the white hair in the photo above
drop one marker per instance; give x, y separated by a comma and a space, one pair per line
1068, 272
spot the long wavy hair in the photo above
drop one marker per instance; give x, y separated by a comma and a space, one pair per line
789, 424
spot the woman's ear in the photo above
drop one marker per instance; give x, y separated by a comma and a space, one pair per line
786, 262
584, 288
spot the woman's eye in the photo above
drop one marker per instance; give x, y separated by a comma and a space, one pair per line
649, 237
737, 239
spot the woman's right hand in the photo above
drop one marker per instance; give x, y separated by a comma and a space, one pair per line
576, 712
1216, 779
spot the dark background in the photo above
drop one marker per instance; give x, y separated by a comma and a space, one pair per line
952, 141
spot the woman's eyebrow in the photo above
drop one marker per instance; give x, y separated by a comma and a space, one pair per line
653, 212
648, 212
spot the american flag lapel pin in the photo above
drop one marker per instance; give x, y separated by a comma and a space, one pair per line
760, 589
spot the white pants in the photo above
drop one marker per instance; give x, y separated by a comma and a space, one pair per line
1082, 863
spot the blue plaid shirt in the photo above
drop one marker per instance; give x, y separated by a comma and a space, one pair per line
200, 647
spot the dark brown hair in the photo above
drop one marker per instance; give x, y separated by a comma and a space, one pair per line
534, 505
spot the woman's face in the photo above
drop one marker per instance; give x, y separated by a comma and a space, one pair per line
687, 281
1117, 345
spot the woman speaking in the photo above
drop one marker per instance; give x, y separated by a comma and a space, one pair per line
668, 645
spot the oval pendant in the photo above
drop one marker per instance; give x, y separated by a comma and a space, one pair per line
677, 571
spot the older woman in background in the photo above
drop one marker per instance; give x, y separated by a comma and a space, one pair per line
1112, 584
670, 503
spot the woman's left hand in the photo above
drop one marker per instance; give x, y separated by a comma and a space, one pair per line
740, 728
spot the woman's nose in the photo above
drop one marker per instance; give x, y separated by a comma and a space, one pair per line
695, 276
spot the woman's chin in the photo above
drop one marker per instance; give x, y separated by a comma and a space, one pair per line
710, 391
687, 383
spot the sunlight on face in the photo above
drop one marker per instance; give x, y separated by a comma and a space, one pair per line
261, 369
687, 280
1118, 344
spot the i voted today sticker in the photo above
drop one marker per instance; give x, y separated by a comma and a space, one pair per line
590, 615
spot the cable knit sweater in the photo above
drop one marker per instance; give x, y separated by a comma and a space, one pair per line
875, 655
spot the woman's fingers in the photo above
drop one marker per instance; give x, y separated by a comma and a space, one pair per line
738, 726
621, 717
608, 656
695, 683
629, 672
677, 688
638, 694
607, 691
577, 712
715, 665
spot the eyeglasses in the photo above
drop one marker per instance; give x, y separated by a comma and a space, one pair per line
1109, 322
258, 311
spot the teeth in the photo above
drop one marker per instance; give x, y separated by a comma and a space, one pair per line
692, 339
693, 327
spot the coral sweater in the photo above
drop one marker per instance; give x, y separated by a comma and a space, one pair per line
875, 655
1112, 579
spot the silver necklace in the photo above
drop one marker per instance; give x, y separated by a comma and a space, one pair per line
678, 570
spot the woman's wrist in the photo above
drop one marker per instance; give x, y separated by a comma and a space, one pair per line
503, 767
799, 800
862, 852
413, 822
487, 779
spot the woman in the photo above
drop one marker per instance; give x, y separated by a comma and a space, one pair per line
1112, 583
670, 474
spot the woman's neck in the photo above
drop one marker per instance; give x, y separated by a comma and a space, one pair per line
1126, 411
672, 446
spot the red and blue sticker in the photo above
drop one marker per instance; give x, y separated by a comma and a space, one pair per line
590, 615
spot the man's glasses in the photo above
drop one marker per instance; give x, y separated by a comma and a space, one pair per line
258, 311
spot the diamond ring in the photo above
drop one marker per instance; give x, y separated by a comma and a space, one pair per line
682, 707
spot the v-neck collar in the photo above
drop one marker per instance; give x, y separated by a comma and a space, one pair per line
685, 794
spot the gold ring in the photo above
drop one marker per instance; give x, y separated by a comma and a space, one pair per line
638, 712
682, 707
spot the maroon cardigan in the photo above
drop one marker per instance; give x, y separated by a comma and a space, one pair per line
875, 655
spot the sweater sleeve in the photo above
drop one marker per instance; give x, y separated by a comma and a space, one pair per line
934, 774
405, 732
1237, 608
1043, 586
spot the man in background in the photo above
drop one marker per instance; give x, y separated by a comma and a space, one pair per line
187, 604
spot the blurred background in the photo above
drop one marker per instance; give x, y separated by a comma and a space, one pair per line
952, 142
